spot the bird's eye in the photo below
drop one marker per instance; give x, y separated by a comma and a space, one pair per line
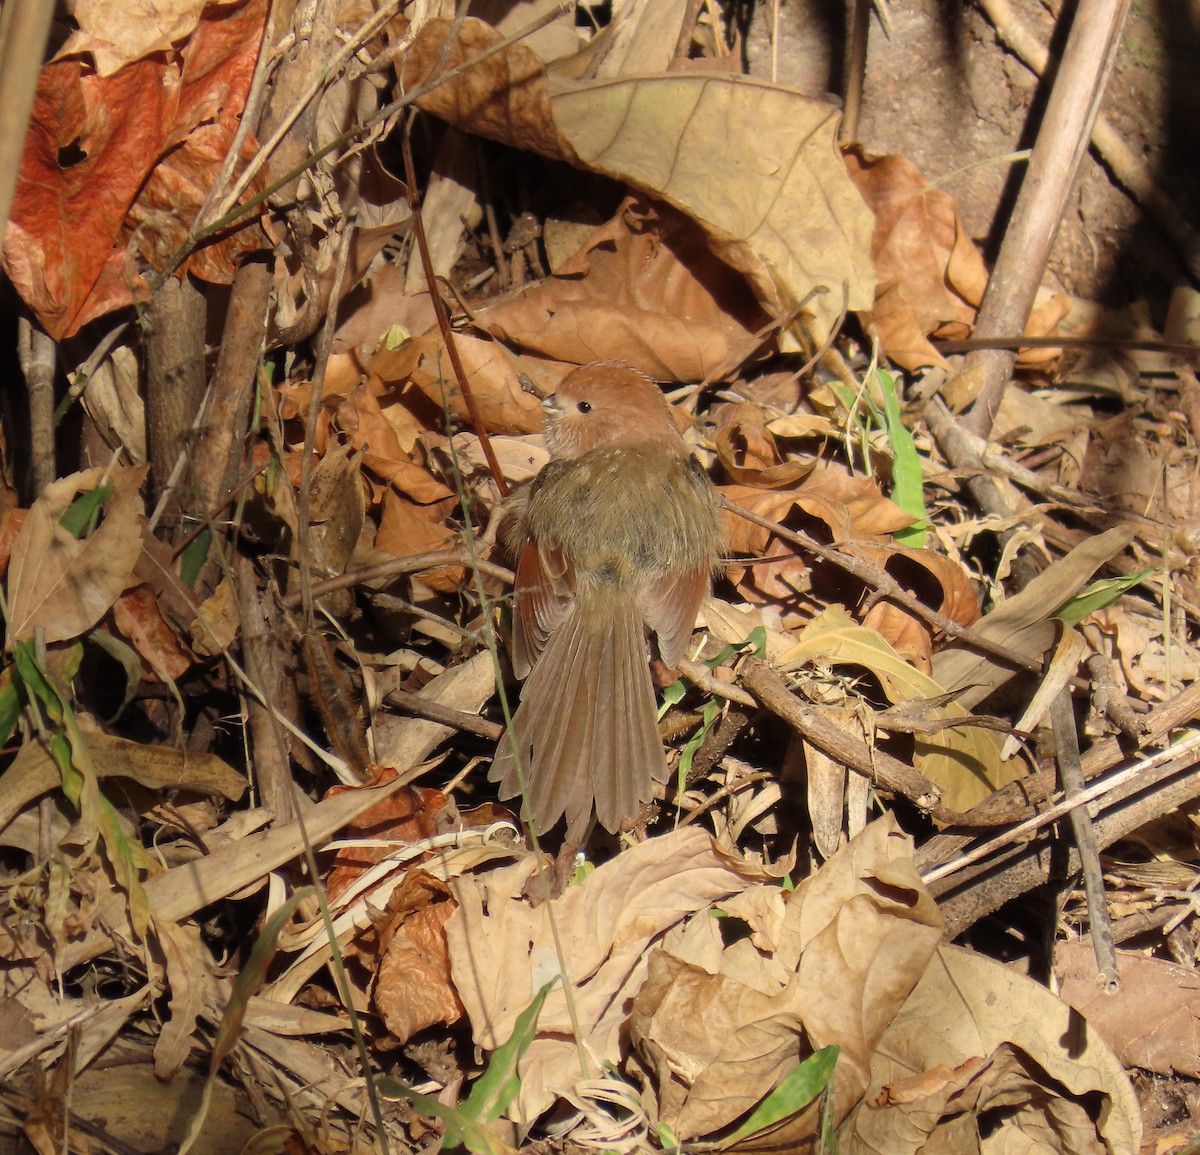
584, 407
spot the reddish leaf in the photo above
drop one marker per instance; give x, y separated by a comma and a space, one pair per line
115, 168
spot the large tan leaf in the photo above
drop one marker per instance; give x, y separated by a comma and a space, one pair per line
977, 1037
756, 164
61, 584
502, 950
797, 984
644, 288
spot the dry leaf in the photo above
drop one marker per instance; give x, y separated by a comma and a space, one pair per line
830, 966
1154, 1019
1042, 1076
412, 987
644, 289
930, 274
502, 950
63, 585
757, 165
115, 168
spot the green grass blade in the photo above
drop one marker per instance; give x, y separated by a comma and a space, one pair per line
795, 1093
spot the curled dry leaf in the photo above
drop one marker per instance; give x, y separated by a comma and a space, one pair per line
931, 277
1039, 1073
850, 509
748, 454
137, 615
757, 165
832, 965
492, 370
63, 585
412, 987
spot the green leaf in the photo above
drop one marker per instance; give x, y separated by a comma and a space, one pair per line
908, 482
672, 696
83, 513
795, 1093
251, 976
129, 661
1098, 595
707, 718
499, 1084
492, 1092
11, 704
194, 555
36, 682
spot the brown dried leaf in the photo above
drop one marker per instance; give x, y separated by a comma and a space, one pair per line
794, 987
115, 167
492, 372
1154, 1019
138, 617
755, 164
1044, 1078
930, 274
645, 289
412, 988
748, 454
61, 584
502, 950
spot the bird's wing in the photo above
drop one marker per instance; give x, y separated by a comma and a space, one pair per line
669, 609
545, 590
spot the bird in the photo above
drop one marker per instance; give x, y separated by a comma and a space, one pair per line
616, 540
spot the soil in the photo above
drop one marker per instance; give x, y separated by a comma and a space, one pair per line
942, 90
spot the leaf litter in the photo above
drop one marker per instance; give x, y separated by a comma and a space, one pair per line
759, 962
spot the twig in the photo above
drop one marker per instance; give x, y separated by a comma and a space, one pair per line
36, 352
443, 319
1066, 742
858, 15
1183, 752
1111, 701
1053, 166
1021, 868
703, 679
769, 687
401, 565
323, 348
446, 715
199, 235
882, 581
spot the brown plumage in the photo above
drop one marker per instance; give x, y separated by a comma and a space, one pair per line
616, 536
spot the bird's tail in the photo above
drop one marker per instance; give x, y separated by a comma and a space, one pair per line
586, 731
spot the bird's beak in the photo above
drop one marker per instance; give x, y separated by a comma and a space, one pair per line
551, 407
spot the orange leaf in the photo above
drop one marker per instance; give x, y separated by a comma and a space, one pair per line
930, 274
